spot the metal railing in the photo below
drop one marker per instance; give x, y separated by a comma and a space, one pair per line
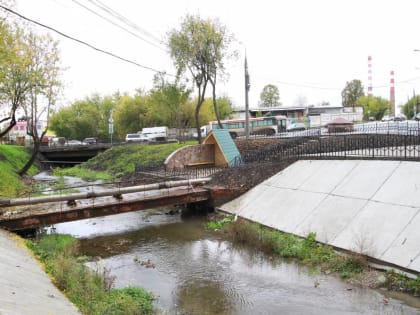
349, 145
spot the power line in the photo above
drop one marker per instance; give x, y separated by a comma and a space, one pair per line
123, 19
117, 25
84, 43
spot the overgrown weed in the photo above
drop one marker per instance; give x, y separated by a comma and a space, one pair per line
90, 290
306, 250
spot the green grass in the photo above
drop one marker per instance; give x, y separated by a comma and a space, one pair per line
83, 173
125, 159
122, 160
319, 257
399, 282
12, 158
90, 290
306, 250
220, 224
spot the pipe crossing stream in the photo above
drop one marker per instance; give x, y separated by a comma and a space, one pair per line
30, 213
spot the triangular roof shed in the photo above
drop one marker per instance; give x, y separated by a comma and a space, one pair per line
225, 150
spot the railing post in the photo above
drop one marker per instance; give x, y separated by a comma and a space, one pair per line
345, 147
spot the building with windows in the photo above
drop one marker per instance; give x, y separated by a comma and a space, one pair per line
313, 115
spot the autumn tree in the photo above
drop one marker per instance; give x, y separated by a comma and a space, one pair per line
351, 93
42, 78
15, 80
270, 96
199, 48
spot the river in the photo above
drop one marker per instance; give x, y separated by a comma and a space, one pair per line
194, 271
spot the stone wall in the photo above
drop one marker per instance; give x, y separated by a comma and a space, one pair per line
190, 156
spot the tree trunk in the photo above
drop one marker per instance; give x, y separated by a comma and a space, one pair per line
216, 110
31, 161
11, 125
201, 94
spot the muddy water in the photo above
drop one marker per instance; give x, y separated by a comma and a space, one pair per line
191, 271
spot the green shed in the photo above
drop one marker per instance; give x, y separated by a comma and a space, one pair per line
225, 151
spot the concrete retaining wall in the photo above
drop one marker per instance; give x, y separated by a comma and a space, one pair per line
24, 287
369, 207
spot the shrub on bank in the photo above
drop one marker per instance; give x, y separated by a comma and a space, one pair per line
399, 282
309, 251
90, 290
306, 250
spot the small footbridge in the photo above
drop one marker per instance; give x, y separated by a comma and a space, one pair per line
34, 212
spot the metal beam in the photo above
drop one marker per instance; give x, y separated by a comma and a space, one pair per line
108, 192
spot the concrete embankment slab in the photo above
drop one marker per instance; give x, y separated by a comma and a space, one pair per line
371, 207
24, 286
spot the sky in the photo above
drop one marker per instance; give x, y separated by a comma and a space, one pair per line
309, 49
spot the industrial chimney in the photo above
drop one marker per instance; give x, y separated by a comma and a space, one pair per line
369, 75
392, 94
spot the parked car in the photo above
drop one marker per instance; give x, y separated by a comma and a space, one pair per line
136, 137
91, 140
388, 118
75, 142
58, 141
417, 116
400, 117
296, 127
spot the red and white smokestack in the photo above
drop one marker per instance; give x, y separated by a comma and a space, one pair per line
369, 75
392, 93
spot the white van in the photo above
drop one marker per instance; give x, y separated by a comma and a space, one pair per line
136, 137
155, 133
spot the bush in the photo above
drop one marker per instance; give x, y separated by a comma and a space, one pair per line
347, 265
90, 290
306, 250
399, 282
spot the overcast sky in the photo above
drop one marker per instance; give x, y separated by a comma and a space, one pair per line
309, 49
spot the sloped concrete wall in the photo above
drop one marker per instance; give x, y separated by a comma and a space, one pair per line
24, 287
369, 207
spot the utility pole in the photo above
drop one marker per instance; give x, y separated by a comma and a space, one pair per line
111, 125
247, 86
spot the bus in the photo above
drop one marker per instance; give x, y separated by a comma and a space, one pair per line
265, 126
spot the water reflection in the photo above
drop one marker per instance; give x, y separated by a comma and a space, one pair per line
195, 272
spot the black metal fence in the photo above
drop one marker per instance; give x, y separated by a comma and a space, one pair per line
350, 145
394, 140
160, 172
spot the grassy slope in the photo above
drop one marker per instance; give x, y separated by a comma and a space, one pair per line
122, 160
12, 158
115, 162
